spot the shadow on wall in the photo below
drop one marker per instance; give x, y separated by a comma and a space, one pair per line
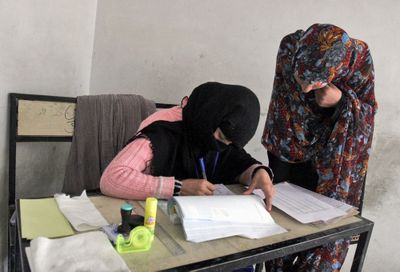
39, 172
382, 202
383, 173
40, 168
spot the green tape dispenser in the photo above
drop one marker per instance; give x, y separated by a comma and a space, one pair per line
140, 239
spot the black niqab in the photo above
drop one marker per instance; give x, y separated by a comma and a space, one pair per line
177, 146
234, 109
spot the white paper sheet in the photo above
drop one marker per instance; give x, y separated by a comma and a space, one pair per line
80, 212
308, 207
91, 251
211, 217
221, 189
333, 202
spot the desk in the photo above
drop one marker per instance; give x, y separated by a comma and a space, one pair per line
228, 253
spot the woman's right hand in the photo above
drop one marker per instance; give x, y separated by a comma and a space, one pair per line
328, 96
196, 187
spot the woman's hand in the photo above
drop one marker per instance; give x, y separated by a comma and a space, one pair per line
261, 180
328, 96
196, 187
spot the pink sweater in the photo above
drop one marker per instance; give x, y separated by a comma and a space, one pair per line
128, 174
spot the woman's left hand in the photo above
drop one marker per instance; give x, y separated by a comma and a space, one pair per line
328, 96
261, 180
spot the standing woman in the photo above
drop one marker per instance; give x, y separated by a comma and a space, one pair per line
319, 127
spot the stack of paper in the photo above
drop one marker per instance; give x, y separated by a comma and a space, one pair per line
309, 207
211, 217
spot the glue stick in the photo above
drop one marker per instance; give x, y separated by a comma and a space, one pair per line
150, 213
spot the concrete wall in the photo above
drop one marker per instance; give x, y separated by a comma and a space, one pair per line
163, 49
46, 48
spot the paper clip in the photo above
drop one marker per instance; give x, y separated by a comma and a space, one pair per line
140, 239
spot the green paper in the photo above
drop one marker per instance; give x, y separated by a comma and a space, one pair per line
41, 217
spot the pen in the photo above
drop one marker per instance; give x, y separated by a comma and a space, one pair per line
203, 168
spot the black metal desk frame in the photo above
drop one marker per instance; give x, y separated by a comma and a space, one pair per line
256, 255
17, 256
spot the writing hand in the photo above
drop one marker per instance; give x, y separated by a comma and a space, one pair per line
261, 180
197, 187
327, 96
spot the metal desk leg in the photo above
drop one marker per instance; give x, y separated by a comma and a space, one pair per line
361, 250
12, 241
259, 267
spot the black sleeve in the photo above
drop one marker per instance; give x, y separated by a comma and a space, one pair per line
233, 163
334, 112
338, 109
302, 174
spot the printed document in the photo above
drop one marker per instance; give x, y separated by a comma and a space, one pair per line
309, 207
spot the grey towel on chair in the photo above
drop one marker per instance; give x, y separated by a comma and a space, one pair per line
103, 125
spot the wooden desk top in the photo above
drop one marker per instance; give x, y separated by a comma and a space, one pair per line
160, 258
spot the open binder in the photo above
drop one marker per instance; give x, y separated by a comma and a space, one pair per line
211, 217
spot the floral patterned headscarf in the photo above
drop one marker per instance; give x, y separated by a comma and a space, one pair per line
323, 53
297, 131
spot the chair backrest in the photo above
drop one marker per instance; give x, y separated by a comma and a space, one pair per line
47, 122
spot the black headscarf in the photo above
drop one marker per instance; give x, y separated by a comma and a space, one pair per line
178, 145
234, 109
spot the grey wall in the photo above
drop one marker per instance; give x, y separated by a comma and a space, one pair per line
46, 48
163, 49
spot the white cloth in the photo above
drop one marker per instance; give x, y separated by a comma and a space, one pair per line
90, 251
80, 212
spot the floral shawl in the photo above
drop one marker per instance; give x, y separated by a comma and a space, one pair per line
296, 130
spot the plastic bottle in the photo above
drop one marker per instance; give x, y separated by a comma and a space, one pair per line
150, 213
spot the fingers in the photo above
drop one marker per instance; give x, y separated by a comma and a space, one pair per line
197, 187
268, 204
269, 193
306, 88
211, 186
250, 189
205, 187
328, 96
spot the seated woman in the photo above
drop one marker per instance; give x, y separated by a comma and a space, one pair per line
163, 158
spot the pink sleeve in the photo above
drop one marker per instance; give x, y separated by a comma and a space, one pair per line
172, 114
127, 176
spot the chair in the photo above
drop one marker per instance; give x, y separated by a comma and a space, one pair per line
42, 127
